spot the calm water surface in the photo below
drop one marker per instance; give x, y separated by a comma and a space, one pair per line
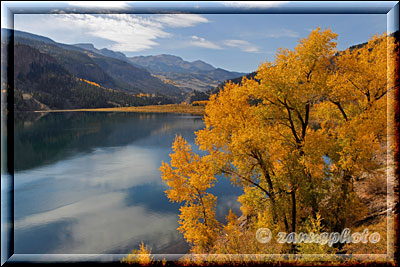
89, 183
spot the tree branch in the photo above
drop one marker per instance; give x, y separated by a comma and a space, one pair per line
247, 180
340, 108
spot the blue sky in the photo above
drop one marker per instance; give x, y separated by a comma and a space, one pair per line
237, 42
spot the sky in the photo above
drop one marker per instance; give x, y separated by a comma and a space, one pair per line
235, 42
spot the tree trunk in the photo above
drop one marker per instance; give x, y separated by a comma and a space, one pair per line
293, 249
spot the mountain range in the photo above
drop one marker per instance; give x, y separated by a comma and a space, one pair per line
188, 76
106, 71
55, 75
42, 82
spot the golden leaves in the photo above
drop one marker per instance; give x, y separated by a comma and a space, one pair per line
142, 256
302, 129
188, 177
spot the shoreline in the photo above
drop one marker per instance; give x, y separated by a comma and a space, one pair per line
170, 108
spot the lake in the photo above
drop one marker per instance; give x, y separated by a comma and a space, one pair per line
89, 183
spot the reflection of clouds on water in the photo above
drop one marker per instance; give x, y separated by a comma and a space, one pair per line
185, 124
106, 195
44, 238
86, 192
121, 228
87, 206
103, 212
114, 168
224, 204
102, 224
123, 168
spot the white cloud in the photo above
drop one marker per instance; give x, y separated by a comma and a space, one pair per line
243, 45
282, 33
270, 33
120, 32
129, 33
254, 4
201, 42
181, 20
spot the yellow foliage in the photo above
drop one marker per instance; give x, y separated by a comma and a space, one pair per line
314, 226
89, 82
293, 139
142, 256
188, 177
143, 95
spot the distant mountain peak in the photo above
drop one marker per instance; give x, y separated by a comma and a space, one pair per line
171, 63
22, 34
86, 46
199, 61
196, 75
168, 56
203, 65
104, 51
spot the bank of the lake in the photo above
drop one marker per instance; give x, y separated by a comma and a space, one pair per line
170, 108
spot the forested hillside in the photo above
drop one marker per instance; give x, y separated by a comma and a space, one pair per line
54, 75
42, 82
106, 71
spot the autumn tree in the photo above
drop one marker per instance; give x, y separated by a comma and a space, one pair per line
258, 132
354, 116
293, 138
189, 176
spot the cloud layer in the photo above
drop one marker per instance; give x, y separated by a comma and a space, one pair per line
122, 32
242, 45
181, 20
129, 33
135, 33
202, 42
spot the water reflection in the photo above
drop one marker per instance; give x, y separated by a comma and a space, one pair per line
89, 183
58, 135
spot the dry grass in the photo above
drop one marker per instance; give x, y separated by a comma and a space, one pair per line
171, 108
